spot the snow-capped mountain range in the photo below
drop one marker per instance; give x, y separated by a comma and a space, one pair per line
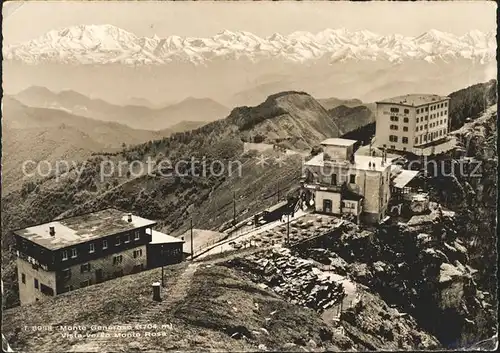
104, 44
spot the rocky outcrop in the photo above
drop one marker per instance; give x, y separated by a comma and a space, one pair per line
294, 278
362, 318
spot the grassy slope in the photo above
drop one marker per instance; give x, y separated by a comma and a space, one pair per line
203, 321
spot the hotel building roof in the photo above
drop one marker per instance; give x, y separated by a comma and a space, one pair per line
80, 229
414, 99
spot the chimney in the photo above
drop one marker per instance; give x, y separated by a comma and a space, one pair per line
52, 231
129, 217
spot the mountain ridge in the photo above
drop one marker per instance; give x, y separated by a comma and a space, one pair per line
99, 44
134, 116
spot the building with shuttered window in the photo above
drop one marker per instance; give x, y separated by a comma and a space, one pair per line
410, 122
76, 252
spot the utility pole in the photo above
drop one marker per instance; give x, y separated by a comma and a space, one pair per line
234, 208
288, 228
192, 245
162, 263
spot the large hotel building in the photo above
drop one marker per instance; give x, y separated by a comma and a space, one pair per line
411, 122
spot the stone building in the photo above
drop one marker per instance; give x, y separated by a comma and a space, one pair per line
342, 183
76, 252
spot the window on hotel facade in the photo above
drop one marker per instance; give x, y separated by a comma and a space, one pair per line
418, 111
352, 178
425, 126
394, 118
393, 138
334, 179
85, 268
416, 140
393, 147
406, 111
23, 278
104, 244
127, 238
64, 255
91, 247
118, 241
35, 283
405, 120
445, 104
405, 139
137, 235
417, 120
393, 127
445, 112
405, 128
74, 253
395, 110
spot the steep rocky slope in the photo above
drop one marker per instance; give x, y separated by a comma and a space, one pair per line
471, 102
290, 116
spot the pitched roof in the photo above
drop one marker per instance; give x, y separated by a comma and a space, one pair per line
403, 178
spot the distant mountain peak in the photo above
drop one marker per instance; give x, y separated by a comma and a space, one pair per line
101, 44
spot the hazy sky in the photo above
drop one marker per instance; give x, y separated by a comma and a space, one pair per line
24, 21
